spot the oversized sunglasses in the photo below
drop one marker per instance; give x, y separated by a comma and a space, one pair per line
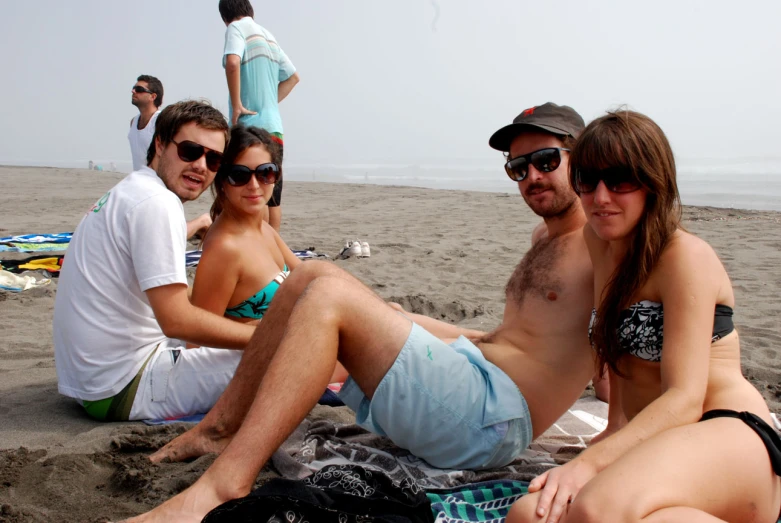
544, 160
190, 151
616, 179
141, 89
240, 175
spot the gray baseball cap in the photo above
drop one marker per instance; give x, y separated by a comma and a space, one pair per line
557, 119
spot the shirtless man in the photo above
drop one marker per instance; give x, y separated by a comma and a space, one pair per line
502, 389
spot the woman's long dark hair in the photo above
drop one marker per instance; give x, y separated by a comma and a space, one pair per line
632, 140
241, 139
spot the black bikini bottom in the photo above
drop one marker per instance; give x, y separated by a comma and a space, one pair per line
769, 436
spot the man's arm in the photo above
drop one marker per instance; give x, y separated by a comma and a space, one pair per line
233, 75
201, 223
440, 329
287, 86
182, 320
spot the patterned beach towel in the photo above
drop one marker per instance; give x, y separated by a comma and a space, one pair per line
316, 444
486, 502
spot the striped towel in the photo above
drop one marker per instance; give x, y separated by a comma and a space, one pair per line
485, 502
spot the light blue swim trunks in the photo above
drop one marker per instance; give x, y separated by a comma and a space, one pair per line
446, 404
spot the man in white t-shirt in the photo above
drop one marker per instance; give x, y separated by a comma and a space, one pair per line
122, 312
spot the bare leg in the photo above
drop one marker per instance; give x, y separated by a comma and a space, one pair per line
698, 472
224, 419
682, 514
333, 318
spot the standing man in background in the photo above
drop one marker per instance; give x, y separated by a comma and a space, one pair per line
148, 97
260, 75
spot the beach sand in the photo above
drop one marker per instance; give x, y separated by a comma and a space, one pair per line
443, 253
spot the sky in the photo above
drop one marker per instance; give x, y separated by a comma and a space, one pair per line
399, 81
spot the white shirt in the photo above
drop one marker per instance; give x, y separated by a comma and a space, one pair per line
133, 239
140, 139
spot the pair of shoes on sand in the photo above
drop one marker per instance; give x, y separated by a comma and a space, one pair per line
356, 249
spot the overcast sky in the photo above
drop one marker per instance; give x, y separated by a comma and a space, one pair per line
398, 81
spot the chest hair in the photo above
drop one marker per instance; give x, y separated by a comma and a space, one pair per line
537, 275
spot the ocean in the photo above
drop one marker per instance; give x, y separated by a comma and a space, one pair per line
737, 185
732, 183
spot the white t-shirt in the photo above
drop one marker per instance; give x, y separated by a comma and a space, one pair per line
140, 139
133, 239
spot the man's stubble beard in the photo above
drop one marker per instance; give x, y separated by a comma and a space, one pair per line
559, 207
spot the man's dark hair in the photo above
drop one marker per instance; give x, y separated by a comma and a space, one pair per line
155, 85
231, 10
173, 117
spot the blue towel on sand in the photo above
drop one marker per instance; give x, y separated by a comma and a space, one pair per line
62, 237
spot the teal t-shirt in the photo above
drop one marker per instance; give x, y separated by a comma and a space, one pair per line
263, 65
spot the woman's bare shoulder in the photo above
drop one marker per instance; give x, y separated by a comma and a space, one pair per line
688, 258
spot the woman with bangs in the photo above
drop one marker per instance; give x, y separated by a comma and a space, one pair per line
697, 443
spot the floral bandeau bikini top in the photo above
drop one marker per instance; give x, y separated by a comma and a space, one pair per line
641, 328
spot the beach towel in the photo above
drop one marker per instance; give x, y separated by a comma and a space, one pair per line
336, 494
62, 237
16, 283
48, 263
486, 502
320, 443
33, 247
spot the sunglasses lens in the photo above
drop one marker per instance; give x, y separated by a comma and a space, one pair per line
620, 180
517, 169
238, 176
586, 182
269, 173
546, 160
213, 161
189, 151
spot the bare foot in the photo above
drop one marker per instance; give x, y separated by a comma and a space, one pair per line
194, 443
190, 506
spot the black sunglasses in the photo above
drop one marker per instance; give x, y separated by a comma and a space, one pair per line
616, 179
141, 89
544, 160
240, 175
190, 151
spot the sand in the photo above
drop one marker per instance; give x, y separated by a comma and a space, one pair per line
443, 253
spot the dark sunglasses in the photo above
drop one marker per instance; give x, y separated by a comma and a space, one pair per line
240, 175
544, 160
141, 89
616, 179
190, 151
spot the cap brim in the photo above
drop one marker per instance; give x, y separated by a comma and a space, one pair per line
502, 138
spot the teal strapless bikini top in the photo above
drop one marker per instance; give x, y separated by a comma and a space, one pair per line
256, 306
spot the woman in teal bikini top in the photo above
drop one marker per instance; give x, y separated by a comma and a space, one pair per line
244, 260
256, 306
